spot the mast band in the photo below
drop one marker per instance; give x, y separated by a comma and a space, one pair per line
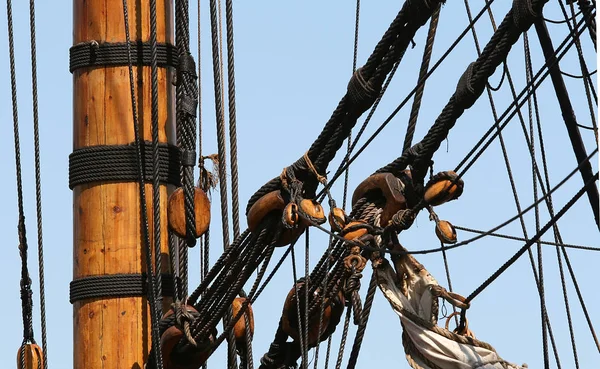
115, 286
119, 163
112, 54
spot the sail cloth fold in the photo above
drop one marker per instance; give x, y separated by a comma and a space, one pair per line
413, 294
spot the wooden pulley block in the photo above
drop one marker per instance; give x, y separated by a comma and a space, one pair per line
239, 329
313, 210
290, 214
391, 187
440, 189
350, 234
34, 357
273, 201
445, 231
191, 357
337, 219
332, 313
176, 212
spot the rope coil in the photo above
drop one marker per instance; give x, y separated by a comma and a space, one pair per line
91, 54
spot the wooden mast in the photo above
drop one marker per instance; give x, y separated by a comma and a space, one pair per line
114, 332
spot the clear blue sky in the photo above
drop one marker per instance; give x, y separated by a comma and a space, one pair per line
293, 61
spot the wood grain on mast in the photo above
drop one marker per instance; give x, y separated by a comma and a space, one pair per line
107, 239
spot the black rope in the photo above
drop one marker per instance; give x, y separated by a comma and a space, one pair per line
564, 20
327, 256
578, 76
25, 283
568, 116
588, 85
300, 327
156, 196
354, 60
105, 163
363, 89
348, 161
360, 333
414, 111
543, 230
306, 296
509, 113
472, 82
515, 238
144, 226
187, 103
230, 287
38, 181
468, 241
557, 235
92, 54
338, 363
540, 279
235, 206
114, 286
586, 9
506, 72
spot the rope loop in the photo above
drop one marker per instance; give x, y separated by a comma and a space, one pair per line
402, 220
523, 14
183, 318
361, 92
322, 179
466, 91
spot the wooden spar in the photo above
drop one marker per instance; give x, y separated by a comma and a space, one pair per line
114, 332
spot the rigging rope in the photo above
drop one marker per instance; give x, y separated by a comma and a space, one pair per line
348, 161
515, 238
468, 241
509, 113
363, 89
354, 59
414, 112
568, 116
145, 229
156, 163
187, 103
516, 256
540, 280
557, 236
506, 72
38, 180
25, 283
235, 207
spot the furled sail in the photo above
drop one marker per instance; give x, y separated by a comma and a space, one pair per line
413, 294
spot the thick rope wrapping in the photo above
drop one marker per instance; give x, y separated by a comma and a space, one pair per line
92, 54
104, 163
114, 286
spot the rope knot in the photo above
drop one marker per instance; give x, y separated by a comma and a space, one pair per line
361, 92
403, 220
467, 89
183, 318
322, 179
523, 14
